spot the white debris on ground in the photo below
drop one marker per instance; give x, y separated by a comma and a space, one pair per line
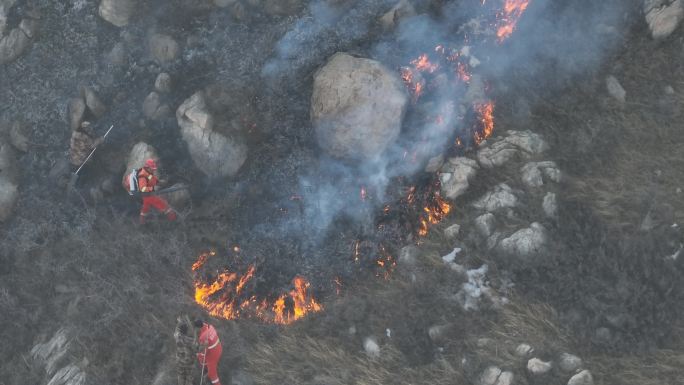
371, 347
476, 288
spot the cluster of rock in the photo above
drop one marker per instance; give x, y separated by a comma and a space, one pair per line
499, 203
54, 357
566, 366
18, 39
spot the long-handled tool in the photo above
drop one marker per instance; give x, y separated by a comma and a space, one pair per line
204, 363
74, 176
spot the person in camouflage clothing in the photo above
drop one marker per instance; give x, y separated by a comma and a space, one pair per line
186, 349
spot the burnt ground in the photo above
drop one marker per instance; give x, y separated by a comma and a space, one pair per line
69, 262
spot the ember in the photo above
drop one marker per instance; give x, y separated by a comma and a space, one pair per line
225, 296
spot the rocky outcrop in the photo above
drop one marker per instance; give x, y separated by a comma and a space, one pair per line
515, 143
582, 378
9, 186
500, 197
153, 108
494, 376
213, 153
14, 43
537, 366
163, 47
54, 354
401, 10
534, 173
526, 242
117, 12
139, 154
163, 83
455, 176
357, 107
663, 16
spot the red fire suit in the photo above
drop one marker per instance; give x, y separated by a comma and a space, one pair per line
208, 338
146, 183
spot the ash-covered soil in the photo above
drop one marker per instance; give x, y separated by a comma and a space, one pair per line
606, 289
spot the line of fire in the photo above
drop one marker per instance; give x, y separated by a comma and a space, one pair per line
236, 291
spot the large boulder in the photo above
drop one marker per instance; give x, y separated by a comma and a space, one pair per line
357, 107
9, 188
663, 16
582, 378
526, 243
500, 197
516, 143
215, 154
117, 12
139, 154
455, 176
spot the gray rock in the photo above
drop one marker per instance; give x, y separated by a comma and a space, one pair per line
152, 107
117, 56
29, 27
537, 366
357, 107
94, 103
18, 136
9, 186
408, 255
663, 16
451, 232
77, 109
437, 333
13, 45
401, 10
163, 83
434, 164
533, 173
163, 47
117, 12
371, 347
51, 352
582, 378
213, 153
615, 89
506, 378
485, 224
569, 362
500, 197
526, 242
516, 143
489, 376
455, 176
68, 375
550, 205
139, 154
523, 350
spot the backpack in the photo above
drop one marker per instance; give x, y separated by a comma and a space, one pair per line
130, 181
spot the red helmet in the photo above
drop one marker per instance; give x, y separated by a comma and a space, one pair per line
151, 164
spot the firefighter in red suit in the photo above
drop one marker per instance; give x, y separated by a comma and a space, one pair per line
147, 181
209, 343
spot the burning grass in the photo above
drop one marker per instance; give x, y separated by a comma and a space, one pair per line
225, 297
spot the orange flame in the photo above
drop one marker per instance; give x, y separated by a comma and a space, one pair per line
423, 64
508, 18
433, 213
224, 297
485, 113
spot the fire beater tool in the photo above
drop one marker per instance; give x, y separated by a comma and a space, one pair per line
74, 176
